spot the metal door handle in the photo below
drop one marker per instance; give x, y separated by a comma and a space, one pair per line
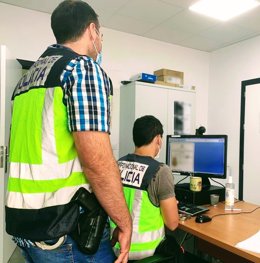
2, 150
6, 157
3, 157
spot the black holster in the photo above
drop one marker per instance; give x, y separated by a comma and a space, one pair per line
91, 222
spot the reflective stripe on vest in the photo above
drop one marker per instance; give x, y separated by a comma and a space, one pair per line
148, 226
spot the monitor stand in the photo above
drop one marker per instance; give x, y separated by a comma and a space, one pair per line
205, 183
184, 194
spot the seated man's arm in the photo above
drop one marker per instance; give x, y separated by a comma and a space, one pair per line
161, 192
169, 212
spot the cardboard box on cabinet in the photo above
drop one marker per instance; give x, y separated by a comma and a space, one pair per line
170, 76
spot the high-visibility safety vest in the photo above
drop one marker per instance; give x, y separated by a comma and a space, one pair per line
45, 171
148, 226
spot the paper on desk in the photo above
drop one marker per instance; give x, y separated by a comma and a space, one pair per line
251, 244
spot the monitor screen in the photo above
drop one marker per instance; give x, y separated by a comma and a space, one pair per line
199, 155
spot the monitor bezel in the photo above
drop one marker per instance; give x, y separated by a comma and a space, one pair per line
203, 175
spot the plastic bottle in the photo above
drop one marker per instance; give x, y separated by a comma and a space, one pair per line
230, 194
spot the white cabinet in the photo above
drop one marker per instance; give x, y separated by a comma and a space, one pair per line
174, 107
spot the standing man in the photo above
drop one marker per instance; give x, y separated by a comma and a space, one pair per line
149, 191
60, 142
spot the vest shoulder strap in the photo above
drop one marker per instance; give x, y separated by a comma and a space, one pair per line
46, 71
67, 55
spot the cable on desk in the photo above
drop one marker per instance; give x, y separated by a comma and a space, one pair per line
238, 213
217, 182
182, 179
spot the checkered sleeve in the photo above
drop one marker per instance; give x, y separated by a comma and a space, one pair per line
87, 96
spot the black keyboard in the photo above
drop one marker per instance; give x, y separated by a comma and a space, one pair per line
191, 209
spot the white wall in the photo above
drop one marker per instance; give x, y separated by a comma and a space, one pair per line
27, 33
228, 67
126, 55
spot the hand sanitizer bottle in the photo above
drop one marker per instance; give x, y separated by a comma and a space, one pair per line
230, 193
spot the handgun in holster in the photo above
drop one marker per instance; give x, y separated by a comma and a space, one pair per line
91, 222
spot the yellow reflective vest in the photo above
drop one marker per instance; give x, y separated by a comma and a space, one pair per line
45, 171
148, 226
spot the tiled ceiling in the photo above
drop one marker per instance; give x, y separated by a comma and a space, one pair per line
165, 20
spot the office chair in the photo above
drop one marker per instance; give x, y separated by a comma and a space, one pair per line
167, 259
155, 259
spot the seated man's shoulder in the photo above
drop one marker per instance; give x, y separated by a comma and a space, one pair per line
162, 185
164, 171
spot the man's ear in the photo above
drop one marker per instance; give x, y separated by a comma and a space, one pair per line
160, 140
157, 139
92, 31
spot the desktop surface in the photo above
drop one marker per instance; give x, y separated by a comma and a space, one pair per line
225, 231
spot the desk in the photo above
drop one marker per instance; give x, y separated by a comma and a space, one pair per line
224, 232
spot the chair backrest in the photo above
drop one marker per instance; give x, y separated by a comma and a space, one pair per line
155, 259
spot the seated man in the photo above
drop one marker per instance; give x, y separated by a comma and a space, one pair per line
148, 188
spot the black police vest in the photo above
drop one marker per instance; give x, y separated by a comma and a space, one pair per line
137, 171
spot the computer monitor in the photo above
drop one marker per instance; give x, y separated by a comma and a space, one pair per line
198, 155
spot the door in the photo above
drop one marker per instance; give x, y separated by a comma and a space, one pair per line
250, 142
10, 72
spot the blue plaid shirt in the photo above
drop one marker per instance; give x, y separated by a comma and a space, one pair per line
87, 95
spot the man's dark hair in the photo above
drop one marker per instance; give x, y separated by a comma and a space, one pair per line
145, 129
70, 19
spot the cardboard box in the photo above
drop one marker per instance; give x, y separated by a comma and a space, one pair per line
170, 76
170, 79
159, 82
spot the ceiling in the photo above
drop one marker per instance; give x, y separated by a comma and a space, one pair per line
166, 20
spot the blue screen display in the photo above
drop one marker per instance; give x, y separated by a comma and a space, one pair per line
209, 157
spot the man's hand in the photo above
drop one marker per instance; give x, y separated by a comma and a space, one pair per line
124, 239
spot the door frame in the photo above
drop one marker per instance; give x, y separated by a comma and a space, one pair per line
244, 85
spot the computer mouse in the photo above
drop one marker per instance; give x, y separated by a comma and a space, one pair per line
202, 219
